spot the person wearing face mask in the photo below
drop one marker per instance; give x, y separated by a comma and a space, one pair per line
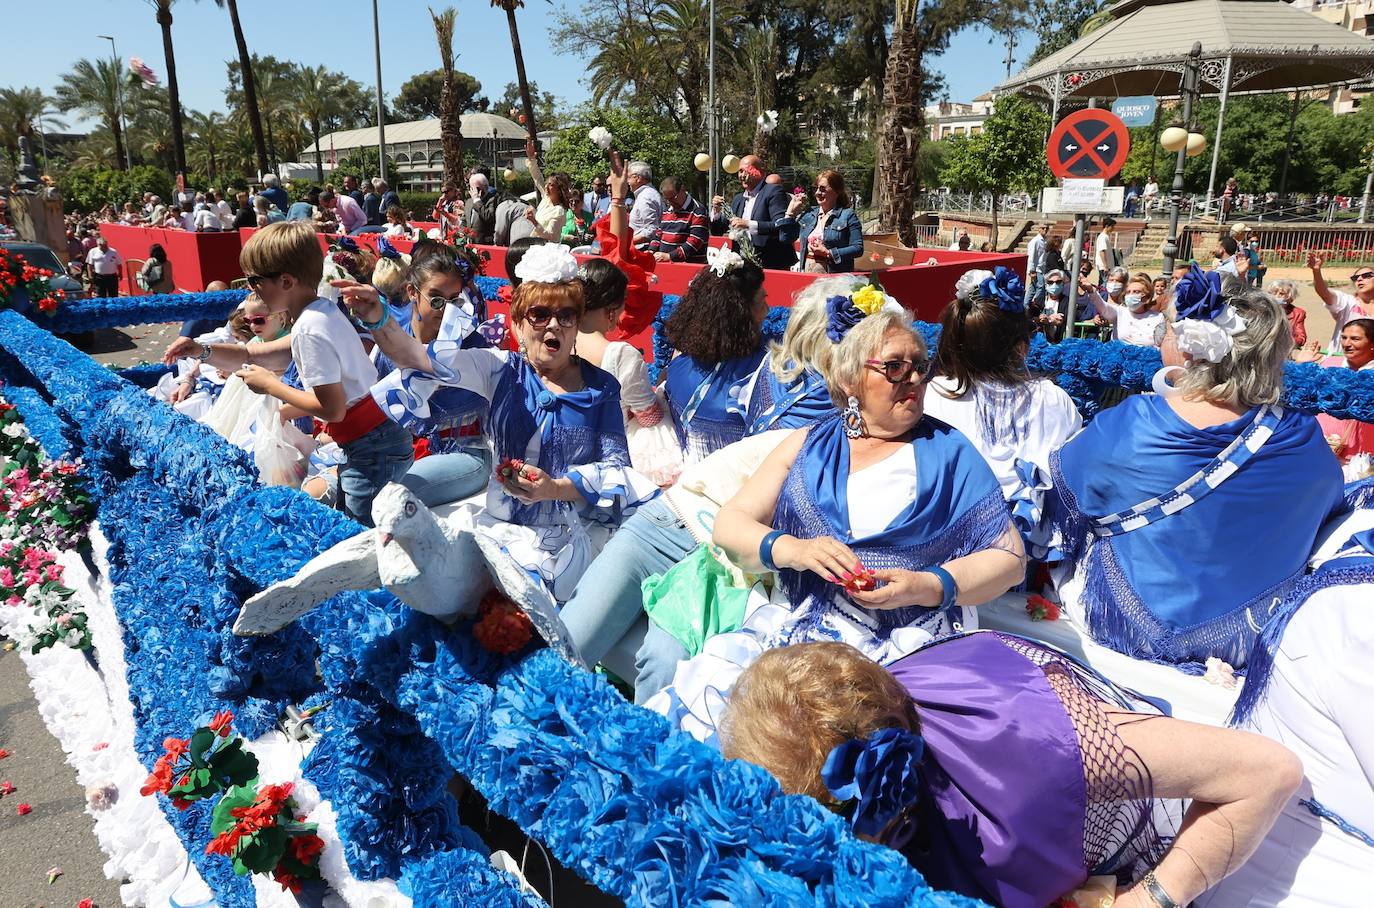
1049, 315
558, 415
760, 212
1349, 437
1133, 312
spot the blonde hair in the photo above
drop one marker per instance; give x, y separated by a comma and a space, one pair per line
287, 247
805, 342
555, 296
1252, 374
389, 275
795, 704
863, 343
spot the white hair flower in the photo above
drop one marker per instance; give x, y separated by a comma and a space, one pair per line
767, 121
1202, 341
601, 137
969, 282
551, 263
721, 260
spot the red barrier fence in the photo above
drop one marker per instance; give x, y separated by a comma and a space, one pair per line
198, 258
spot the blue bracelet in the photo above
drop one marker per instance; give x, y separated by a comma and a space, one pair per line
951, 589
766, 549
379, 323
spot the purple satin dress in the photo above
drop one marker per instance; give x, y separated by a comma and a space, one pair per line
1005, 820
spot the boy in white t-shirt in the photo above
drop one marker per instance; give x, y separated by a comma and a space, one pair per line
284, 263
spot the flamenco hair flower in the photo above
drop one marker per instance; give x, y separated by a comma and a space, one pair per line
386, 250
600, 137
1006, 288
881, 773
842, 315
551, 263
722, 261
868, 299
1206, 322
1198, 295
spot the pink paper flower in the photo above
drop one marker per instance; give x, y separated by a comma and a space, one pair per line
25, 809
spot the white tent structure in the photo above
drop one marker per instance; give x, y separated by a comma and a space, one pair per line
1248, 47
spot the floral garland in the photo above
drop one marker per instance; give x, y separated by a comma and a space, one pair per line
22, 285
87, 313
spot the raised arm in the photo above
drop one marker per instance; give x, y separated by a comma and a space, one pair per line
402, 349
1328, 296
532, 155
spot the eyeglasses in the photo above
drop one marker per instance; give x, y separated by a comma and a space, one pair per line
822, 188
259, 320
540, 316
255, 279
897, 371
1362, 276
439, 302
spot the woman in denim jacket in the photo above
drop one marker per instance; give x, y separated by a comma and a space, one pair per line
831, 237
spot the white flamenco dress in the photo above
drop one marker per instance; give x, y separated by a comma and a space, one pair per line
653, 445
1315, 701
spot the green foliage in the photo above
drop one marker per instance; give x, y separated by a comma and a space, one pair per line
361, 164
1007, 156
545, 117
418, 205
418, 98
90, 188
638, 136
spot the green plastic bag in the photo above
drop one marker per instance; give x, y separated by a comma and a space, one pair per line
695, 600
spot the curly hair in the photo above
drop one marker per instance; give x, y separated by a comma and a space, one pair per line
714, 320
795, 704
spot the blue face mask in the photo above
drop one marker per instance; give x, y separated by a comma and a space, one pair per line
1053, 288
1134, 301
1113, 287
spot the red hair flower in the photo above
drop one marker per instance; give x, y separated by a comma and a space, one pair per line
1041, 609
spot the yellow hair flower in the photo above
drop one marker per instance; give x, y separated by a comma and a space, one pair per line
868, 300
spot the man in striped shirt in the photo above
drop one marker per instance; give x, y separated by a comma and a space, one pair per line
683, 233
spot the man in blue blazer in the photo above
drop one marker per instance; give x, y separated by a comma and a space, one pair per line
761, 209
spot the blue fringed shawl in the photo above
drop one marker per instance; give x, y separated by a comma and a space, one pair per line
1203, 581
705, 402
797, 404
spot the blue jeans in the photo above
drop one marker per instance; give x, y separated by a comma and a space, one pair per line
441, 478
608, 604
381, 456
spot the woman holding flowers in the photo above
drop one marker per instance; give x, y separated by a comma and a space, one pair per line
884, 525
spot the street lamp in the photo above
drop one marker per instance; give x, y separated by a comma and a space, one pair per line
119, 102
1180, 145
381, 110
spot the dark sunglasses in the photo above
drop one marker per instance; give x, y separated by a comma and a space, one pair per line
1363, 275
255, 279
259, 319
540, 316
897, 371
439, 302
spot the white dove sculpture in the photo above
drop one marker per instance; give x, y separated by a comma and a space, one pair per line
434, 565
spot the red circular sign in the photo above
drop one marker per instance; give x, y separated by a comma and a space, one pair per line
1088, 144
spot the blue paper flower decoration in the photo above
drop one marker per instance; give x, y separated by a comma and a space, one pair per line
1198, 295
843, 316
882, 774
1006, 288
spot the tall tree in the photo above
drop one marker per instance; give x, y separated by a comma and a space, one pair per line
419, 96
92, 90
510, 7
316, 101
20, 111
450, 113
250, 89
164, 21
210, 142
1007, 156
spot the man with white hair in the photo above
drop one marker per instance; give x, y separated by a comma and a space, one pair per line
274, 194
646, 215
389, 196
479, 214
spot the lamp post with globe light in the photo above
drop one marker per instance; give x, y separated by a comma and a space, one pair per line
1186, 144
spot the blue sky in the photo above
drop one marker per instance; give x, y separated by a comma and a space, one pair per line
338, 34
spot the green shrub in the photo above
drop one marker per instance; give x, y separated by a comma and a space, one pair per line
418, 205
87, 189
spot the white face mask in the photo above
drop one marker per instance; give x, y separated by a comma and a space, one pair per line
1134, 301
1113, 287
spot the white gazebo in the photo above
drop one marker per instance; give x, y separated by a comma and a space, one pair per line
1248, 47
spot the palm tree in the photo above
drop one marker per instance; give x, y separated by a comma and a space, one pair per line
450, 117
510, 6
317, 101
92, 90
20, 110
211, 141
899, 137
250, 90
164, 19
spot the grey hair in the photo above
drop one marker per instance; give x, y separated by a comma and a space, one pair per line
270, 180
861, 344
640, 169
1282, 284
1252, 374
481, 180
1120, 272
805, 342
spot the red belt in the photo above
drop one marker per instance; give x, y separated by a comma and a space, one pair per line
361, 418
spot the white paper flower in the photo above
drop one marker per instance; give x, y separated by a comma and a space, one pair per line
74, 639
722, 260
601, 137
1230, 321
1220, 673
551, 263
968, 282
767, 121
1202, 341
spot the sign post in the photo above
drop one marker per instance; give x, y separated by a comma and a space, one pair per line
1086, 148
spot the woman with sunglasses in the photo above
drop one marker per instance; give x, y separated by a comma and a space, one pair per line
983, 389
831, 235
885, 526
555, 414
1343, 306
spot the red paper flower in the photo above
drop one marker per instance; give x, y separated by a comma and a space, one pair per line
287, 880
501, 626
25, 809
509, 468
86, 903
860, 579
1041, 609
6, 787
221, 722
305, 848
175, 747
160, 779
4, 753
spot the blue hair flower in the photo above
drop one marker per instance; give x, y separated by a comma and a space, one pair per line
346, 242
1198, 295
843, 316
386, 250
1006, 288
881, 773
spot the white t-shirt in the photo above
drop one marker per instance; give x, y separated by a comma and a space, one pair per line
1104, 254
104, 261
1132, 328
1345, 308
206, 219
881, 491
327, 351
226, 215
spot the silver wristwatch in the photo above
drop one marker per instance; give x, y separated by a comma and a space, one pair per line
205, 353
